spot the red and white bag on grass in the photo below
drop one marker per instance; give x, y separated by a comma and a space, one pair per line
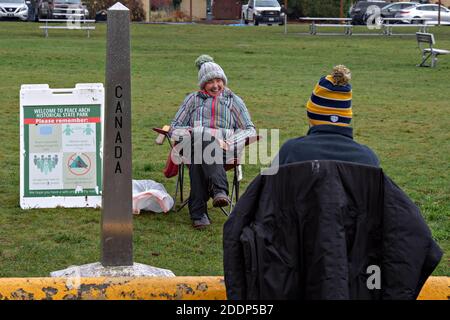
149, 195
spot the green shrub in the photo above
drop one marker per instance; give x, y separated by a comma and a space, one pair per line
316, 8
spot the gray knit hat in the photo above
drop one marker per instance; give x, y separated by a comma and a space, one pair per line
208, 70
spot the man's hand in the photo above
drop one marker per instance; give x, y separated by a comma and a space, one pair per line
225, 146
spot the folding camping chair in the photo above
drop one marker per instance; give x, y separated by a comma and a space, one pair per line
178, 170
430, 51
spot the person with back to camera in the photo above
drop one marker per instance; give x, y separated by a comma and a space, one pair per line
330, 137
327, 223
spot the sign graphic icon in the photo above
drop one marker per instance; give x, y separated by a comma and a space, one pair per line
68, 130
45, 164
79, 164
88, 130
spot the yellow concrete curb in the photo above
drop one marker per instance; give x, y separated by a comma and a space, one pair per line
436, 288
177, 288
144, 288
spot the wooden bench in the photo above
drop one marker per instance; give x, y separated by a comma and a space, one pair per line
70, 24
428, 38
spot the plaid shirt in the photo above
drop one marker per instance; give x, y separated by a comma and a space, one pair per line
223, 116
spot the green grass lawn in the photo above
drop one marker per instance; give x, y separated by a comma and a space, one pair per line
402, 112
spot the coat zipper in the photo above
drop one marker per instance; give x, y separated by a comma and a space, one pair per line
213, 112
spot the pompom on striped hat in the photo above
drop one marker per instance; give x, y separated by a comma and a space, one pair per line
331, 100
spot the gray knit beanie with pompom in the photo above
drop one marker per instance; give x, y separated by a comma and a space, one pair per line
208, 70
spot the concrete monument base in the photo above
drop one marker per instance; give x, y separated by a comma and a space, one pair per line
98, 270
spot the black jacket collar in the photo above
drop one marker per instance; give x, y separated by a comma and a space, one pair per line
329, 128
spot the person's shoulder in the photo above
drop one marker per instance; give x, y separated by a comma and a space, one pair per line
291, 143
371, 154
190, 96
287, 150
295, 140
229, 93
237, 103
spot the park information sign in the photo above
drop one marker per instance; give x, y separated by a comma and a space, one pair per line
61, 143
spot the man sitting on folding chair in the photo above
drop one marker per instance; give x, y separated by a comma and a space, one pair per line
209, 118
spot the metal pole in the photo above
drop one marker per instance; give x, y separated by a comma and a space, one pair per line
117, 216
439, 13
285, 15
190, 10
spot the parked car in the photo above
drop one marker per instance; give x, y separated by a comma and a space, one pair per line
101, 15
427, 11
61, 9
359, 11
262, 11
392, 9
14, 9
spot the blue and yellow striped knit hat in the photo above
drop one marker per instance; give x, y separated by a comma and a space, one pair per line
331, 100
